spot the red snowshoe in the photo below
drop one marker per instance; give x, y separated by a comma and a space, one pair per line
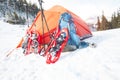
56, 46
31, 43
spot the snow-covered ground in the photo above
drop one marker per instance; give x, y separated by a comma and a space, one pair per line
100, 63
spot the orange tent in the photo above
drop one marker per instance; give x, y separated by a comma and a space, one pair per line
52, 18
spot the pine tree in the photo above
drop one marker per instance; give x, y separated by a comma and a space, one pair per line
104, 23
2, 1
114, 20
98, 23
118, 18
8, 7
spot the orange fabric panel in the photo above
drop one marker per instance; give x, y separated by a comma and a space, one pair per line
58, 9
51, 19
81, 27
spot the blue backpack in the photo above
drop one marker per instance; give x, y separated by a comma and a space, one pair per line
67, 22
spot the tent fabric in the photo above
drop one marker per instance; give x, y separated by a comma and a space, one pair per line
52, 17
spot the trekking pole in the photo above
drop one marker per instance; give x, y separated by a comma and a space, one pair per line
42, 19
10, 52
42, 13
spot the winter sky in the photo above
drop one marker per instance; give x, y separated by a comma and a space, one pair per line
85, 8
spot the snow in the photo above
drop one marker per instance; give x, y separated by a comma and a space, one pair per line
100, 63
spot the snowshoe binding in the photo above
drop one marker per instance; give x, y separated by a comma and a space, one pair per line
56, 46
